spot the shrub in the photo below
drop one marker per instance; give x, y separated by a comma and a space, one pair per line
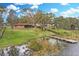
35, 46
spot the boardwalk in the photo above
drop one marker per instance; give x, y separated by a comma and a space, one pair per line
63, 39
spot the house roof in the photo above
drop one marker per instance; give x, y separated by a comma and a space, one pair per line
22, 24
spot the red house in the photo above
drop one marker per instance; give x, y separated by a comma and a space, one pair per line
23, 25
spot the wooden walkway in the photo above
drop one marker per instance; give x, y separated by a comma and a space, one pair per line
63, 39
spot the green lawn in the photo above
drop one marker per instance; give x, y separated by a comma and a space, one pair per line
71, 34
21, 36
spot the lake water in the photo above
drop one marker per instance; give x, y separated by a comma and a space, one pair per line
70, 50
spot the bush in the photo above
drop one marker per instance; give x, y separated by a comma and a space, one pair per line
35, 46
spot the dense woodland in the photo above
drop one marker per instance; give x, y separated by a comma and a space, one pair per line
66, 23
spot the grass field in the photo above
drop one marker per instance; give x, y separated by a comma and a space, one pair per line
70, 34
21, 36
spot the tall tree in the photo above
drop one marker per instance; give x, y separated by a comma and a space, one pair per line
11, 18
42, 19
66, 23
2, 28
1, 19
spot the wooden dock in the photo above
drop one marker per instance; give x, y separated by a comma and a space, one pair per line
63, 39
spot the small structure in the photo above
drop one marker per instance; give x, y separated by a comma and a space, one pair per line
23, 25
